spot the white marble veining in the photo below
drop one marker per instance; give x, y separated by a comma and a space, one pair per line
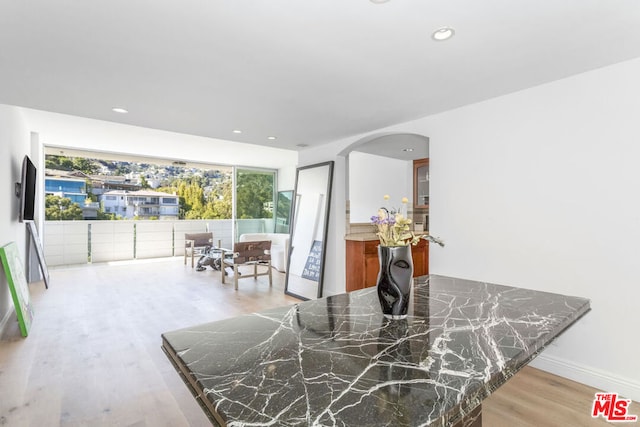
337, 361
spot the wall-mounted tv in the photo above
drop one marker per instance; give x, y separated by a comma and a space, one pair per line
27, 190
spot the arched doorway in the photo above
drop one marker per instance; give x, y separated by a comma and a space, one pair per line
380, 164
375, 166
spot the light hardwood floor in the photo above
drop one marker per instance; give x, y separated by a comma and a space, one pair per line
93, 356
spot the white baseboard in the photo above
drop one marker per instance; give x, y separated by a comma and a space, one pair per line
5, 319
601, 380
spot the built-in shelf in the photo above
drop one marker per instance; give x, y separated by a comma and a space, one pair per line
421, 183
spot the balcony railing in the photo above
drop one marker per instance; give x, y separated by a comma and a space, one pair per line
81, 242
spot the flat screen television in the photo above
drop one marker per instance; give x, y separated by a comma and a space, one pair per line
27, 190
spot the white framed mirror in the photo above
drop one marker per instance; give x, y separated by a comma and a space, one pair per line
310, 220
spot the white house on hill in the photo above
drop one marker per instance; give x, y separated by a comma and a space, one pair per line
142, 204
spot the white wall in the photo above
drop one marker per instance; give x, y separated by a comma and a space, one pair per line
287, 177
370, 178
538, 189
15, 142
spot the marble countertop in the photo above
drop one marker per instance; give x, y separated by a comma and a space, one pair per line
361, 237
365, 237
337, 361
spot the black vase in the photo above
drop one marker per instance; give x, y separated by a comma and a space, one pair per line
394, 280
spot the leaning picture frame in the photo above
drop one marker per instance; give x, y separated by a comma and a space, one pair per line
37, 245
14, 271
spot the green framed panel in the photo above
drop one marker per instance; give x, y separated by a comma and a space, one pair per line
14, 270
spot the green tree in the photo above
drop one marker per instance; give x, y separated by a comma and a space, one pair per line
253, 194
143, 182
194, 197
219, 202
193, 202
90, 195
107, 216
50, 164
81, 164
58, 162
85, 165
61, 208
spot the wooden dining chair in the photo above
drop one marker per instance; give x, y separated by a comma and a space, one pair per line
195, 244
254, 254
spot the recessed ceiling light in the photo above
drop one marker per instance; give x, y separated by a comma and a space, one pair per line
378, 1
302, 145
237, 131
442, 34
407, 149
271, 137
119, 110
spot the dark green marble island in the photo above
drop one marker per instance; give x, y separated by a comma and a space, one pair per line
337, 361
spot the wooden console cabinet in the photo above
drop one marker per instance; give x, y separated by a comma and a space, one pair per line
363, 265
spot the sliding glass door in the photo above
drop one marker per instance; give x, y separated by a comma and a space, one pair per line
255, 191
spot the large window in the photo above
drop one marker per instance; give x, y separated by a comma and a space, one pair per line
142, 190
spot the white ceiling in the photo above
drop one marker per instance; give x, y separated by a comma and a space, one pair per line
308, 72
401, 146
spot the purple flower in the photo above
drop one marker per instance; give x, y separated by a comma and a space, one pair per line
383, 220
